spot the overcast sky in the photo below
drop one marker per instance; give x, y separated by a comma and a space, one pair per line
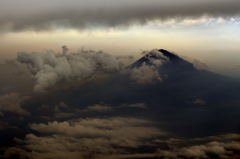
45, 14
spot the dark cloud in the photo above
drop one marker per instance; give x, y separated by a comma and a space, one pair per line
135, 105
97, 108
42, 15
12, 103
199, 102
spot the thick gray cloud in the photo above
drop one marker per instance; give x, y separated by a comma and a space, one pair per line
15, 77
41, 15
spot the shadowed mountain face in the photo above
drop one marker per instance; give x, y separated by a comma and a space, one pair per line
202, 101
163, 55
194, 101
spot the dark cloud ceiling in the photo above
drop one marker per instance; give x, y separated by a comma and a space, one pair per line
44, 15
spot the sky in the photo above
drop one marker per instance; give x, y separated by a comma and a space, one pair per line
207, 31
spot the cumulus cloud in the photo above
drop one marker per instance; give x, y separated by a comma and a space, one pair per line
12, 71
12, 103
46, 14
109, 127
145, 74
86, 138
204, 151
51, 68
116, 141
222, 148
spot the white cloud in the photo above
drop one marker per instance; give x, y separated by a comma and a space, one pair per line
50, 68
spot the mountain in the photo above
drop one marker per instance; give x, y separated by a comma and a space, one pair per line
196, 97
162, 55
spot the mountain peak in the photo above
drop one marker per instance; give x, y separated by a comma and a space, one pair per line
168, 54
163, 55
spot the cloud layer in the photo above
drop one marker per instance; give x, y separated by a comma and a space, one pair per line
45, 14
86, 138
118, 138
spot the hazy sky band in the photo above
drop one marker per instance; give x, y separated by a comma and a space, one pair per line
79, 14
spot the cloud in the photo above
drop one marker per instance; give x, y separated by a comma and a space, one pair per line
15, 77
199, 102
86, 138
43, 15
51, 68
4, 126
57, 142
97, 108
145, 74
11, 103
148, 73
224, 150
204, 151
94, 127
136, 105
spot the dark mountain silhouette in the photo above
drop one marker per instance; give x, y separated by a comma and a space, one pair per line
164, 56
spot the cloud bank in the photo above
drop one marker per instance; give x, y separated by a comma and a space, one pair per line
43, 15
50, 68
118, 138
86, 138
